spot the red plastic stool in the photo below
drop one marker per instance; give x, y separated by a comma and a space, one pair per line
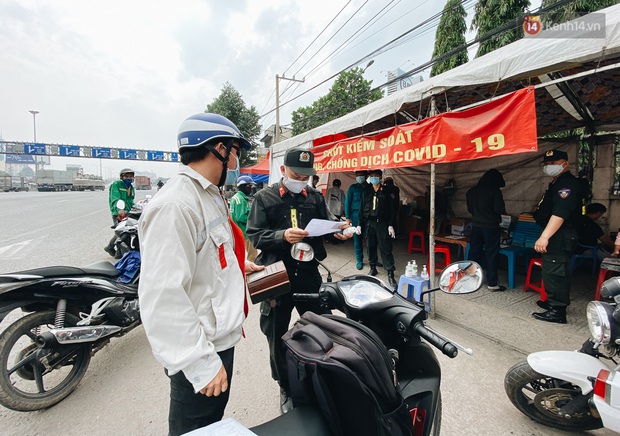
535, 286
418, 247
447, 259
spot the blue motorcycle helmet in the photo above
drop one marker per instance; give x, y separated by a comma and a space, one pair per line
245, 180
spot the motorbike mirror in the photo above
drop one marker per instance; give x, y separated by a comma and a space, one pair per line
120, 204
462, 277
302, 251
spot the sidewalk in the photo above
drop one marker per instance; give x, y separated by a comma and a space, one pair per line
504, 317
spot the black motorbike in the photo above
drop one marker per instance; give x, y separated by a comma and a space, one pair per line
400, 324
72, 313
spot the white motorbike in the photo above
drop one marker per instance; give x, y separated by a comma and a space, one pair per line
575, 390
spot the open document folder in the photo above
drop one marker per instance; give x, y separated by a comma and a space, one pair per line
318, 227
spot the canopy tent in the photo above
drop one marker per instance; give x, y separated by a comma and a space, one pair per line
579, 78
261, 167
577, 84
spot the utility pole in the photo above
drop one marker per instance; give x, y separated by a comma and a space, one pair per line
34, 123
277, 132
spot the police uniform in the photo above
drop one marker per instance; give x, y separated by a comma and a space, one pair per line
378, 213
563, 199
274, 210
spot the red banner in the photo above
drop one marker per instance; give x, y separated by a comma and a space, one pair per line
501, 127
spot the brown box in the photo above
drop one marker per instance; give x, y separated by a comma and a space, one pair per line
268, 283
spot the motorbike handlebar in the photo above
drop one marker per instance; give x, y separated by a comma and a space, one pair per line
444, 346
305, 297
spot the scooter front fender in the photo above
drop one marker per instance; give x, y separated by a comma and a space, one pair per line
571, 366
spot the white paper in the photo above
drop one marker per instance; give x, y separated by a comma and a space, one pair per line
318, 227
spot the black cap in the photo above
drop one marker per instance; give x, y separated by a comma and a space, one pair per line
301, 161
553, 155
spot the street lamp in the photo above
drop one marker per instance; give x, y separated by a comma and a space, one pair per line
370, 62
34, 123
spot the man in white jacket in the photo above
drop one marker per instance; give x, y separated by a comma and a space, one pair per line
192, 286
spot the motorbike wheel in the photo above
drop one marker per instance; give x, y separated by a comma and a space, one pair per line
26, 383
540, 398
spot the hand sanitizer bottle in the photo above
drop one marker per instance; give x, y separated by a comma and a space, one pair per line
424, 273
414, 268
408, 270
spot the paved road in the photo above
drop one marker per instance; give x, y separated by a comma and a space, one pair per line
125, 390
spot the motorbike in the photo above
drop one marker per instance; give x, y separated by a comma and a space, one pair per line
126, 230
400, 324
575, 390
72, 313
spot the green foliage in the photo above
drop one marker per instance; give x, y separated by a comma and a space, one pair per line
350, 91
572, 9
230, 104
492, 14
450, 35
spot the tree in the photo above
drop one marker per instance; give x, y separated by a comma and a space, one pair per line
350, 91
572, 10
230, 104
491, 15
449, 36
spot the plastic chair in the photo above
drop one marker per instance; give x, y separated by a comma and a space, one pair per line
535, 286
511, 252
421, 246
412, 287
447, 258
592, 255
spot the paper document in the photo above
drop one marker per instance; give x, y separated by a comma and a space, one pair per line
318, 227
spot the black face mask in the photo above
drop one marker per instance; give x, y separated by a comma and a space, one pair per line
246, 189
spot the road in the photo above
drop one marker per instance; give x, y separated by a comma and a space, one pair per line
125, 390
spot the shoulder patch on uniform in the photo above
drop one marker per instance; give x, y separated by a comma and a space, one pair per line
564, 193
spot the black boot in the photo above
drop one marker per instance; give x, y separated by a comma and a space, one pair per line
286, 402
373, 270
391, 279
543, 305
554, 314
110, 250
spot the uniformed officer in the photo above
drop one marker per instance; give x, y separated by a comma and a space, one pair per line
277, 217
378, 219
352, 204
557, 213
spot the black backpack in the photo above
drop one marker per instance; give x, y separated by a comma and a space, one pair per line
342, 367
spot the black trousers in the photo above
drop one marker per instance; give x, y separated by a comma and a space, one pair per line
556, 266
190, 411
377, 235
274, 321
484, 243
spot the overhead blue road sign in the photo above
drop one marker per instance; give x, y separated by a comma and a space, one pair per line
100, 152
32, 148
174, 156
155, 155
69, 150
20, 159
128, 154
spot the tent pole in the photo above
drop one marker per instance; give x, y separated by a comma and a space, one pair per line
431, 224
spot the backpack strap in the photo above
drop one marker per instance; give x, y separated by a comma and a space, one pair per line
316, 334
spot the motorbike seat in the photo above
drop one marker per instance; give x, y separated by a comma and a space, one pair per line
300, 421
102, 268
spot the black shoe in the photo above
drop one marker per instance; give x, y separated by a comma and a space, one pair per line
391, 279
286, 402
110, 251
543, 305
496, 288
373, 270
557, 315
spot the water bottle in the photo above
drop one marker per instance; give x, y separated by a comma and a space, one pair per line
424, 273
408, 270
414, 268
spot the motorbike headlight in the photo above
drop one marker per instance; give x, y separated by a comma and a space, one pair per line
361, 293
599, 315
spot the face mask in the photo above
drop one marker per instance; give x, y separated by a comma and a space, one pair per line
232, 175
553, 170
360, 179
127, 182
246, 189
374, 180
295, 186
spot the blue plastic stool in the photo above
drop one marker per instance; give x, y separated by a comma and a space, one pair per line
405, 285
